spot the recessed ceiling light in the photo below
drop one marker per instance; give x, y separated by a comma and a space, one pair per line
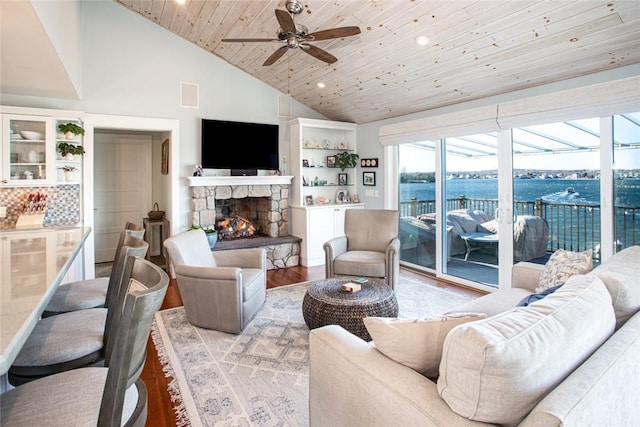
321, 85
181, 1
422, 40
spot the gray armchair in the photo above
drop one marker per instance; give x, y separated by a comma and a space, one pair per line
369, 248
220, 290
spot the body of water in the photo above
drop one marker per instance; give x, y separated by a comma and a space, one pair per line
579, 191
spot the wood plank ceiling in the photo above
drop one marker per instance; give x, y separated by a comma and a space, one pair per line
477, 48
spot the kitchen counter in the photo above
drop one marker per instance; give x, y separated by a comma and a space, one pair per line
33, 264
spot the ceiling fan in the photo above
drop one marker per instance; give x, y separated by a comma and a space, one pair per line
298, 36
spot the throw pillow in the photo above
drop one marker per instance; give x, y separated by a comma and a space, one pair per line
562, 265
416, 343
537, 297
497, 370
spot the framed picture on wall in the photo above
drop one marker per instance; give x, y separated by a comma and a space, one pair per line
369, 178
305, 163
342, 179
308, 200
165, 157
331, 161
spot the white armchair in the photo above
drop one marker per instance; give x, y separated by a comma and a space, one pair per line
221, 290
370, 246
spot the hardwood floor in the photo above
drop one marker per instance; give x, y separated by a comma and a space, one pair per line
160, 412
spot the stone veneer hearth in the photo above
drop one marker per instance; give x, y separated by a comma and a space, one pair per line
262, 199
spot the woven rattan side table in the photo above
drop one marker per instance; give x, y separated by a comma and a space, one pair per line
326, 304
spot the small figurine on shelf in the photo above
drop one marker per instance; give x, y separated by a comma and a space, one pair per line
198, 170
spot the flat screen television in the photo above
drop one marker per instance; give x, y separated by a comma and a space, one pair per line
239, 146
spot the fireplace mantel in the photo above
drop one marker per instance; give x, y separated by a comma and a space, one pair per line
213, 181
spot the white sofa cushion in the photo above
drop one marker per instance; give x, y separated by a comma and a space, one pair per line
496, 370
620, 276
562, 265
416, 343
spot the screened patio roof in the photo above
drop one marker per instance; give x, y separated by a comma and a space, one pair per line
570, 136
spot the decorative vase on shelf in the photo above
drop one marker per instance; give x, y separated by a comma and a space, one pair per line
69, 136
68, 176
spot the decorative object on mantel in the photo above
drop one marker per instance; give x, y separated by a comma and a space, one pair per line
68, 150
156, 213
70, 130
346, 160
197, 170
369, 163
33, 211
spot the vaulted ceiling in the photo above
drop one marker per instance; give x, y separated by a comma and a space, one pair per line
477, 48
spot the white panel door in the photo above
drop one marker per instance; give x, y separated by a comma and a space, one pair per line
122, 187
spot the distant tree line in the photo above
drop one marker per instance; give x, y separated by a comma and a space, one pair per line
407, 177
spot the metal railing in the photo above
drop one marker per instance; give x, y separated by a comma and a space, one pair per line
572, 226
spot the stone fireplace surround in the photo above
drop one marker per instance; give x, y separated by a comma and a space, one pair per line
262, 199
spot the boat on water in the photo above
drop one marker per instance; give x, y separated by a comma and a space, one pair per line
570, 190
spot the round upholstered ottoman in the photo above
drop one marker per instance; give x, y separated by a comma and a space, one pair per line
326, 304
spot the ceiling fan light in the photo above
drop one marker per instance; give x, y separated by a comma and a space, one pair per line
422, 40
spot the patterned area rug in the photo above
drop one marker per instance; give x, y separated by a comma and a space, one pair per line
259, 377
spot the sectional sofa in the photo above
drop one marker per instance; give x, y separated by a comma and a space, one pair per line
570, 359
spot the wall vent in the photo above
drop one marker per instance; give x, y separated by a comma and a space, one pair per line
189, 95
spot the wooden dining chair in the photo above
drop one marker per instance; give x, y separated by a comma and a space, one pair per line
103, 396
92, 293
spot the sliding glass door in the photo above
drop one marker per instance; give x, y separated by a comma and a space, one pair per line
472, 206
417, 204
626, 180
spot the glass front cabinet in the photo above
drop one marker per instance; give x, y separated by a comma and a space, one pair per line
28, 150
30, 155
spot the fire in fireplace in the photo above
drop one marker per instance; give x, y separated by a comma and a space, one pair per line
236, 228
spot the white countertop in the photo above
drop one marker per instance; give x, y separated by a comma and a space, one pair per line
33, 264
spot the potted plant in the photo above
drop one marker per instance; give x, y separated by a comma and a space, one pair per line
68, 172
68, 150
70, 129
212, 235
346, 160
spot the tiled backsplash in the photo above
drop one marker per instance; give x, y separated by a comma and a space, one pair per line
63, 204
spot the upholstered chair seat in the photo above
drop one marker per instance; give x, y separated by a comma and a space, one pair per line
105, 396
221, 290
75, 339
369, 248
92, 293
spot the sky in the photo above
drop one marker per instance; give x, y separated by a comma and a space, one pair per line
555, 136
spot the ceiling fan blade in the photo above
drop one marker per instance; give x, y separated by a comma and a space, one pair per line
286, 21
275, 56
250, 40
316, 52
334, 33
